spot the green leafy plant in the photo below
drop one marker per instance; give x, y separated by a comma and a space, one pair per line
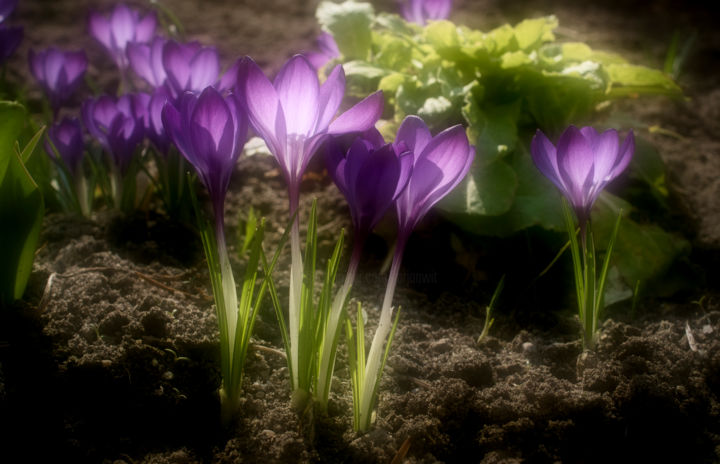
502, 84
21, 204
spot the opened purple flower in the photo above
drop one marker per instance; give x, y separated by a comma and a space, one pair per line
6, 7
583, 163
124, 25
59, 73
190, 67
440, 163
295, 113
66, 137
327, 49
146, 60
210, 132
117, 125
371, 176
420, 11
10, 38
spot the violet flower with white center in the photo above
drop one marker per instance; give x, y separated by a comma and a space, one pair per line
189, 67
420, 11
6, 8
371, 175
145, 59
124, 25
10, 38
581, 166
583, 163
327, 49
59, 73
210, 132
294, 115
439, 164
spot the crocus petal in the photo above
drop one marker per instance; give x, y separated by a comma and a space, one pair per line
414, 133
360, 117
297, 88
545, 157
264, 109
176, 64
99, 28
229, 79
145, 29
605, 153
139, 59
212, 113
575, 162
437, 9
204, 69
75, 65
174, 127
625, 155
122, 24
330, 97
6, 7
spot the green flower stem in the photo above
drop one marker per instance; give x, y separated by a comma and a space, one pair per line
81, 191
230, 309
375, 356
332, 330
295, 299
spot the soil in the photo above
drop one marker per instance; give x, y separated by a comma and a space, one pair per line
112, 355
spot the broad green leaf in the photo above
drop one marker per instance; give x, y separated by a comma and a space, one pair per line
363, 69
442, 34
21, 211
12, 120
514, 59
491, 128
487, 190
394, 54
628, 79
643, 252
530, 33
499, 39
349, 23
648, 166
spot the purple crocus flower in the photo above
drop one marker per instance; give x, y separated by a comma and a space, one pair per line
583, 163
146, 60
420, 11
154, 127
190, 67
58, 73
124, 25
210, 132
439, 164
372, 175
295, 113
6, 7
66, 136
327, 49
10, 38
117, 125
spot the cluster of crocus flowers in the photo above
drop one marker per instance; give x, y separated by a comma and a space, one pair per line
295, 114
10, 36
420, 11
439, 163
581, 166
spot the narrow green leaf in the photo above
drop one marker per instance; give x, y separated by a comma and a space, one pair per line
349, 23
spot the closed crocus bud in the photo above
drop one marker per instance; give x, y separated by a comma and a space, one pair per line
439, 164
117, 124
67, 138
10, 38
190, 67
583, 163
6, 7
420, 11
210, 131
59, 73
146, 61
371, 175
124, 25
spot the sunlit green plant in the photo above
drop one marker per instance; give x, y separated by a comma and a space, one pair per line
21, 204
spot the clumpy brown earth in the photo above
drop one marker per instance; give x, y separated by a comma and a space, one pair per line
112, 357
